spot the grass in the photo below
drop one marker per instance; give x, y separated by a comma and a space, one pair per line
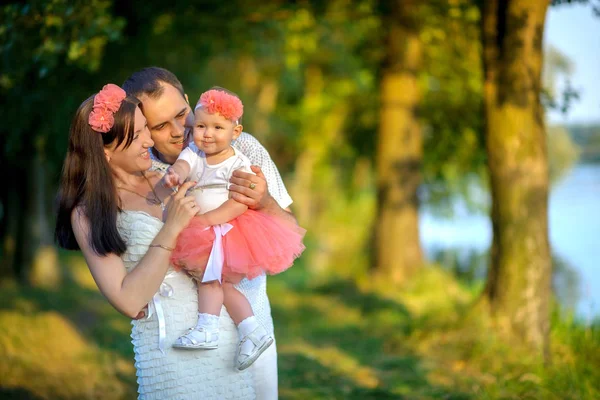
65, 343
337, 339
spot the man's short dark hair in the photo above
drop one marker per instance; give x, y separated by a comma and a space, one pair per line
148, 81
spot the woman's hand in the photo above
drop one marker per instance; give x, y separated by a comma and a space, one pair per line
180, 209
249, 189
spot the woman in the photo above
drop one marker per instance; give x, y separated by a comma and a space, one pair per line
111, 208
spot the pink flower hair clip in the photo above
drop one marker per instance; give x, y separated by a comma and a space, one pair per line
106, 103
218, 101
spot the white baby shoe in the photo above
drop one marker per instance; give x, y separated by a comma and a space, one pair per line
251, 347
198, 338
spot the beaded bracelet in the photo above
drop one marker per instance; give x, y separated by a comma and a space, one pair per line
162, 247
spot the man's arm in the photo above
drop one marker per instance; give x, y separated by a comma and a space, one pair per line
274, 209
257, 198
269, 193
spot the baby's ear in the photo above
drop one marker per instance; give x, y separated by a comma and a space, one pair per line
237, 131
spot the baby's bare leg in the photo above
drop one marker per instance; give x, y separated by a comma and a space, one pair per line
254, 340
236, 303
210, 297
206, 333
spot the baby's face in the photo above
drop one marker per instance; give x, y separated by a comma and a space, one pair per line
213, 133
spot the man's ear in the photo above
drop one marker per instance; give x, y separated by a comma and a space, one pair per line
237, 131
186, 98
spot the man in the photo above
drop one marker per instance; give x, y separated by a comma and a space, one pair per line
170, 119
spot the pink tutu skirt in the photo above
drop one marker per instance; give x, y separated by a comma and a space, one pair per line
258, 243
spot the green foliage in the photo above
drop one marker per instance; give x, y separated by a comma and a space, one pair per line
50, 51
48, 48
332, 113
37, 37
308, 80
558, 68
595, 4
562, 152
587, 138
307, 71
452, 109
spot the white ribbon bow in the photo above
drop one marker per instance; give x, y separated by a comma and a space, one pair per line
155, 305
214, 266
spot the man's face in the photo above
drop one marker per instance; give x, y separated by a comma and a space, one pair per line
169, 119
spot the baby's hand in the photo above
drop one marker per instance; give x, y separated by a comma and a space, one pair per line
172, 178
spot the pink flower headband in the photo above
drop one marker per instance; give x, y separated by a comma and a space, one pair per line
218, 101
106, 103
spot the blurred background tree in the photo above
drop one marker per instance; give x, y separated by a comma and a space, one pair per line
400, 144
518, 284
374, 110
50, 50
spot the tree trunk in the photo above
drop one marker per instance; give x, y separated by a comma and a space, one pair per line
28, 253
40, 256
399, 151
519, 281
12, 225
12, 198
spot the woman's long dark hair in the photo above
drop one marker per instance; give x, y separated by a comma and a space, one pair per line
87, 183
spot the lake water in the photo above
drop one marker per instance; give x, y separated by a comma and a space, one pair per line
574, 217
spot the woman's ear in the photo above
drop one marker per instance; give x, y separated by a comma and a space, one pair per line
107, 154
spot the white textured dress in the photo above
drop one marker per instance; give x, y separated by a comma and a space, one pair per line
198, 374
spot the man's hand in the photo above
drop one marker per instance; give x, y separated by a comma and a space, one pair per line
250, 189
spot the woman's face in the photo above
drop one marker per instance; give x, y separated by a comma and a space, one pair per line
136, 157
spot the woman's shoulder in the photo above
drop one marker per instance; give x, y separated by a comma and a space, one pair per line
79, 217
